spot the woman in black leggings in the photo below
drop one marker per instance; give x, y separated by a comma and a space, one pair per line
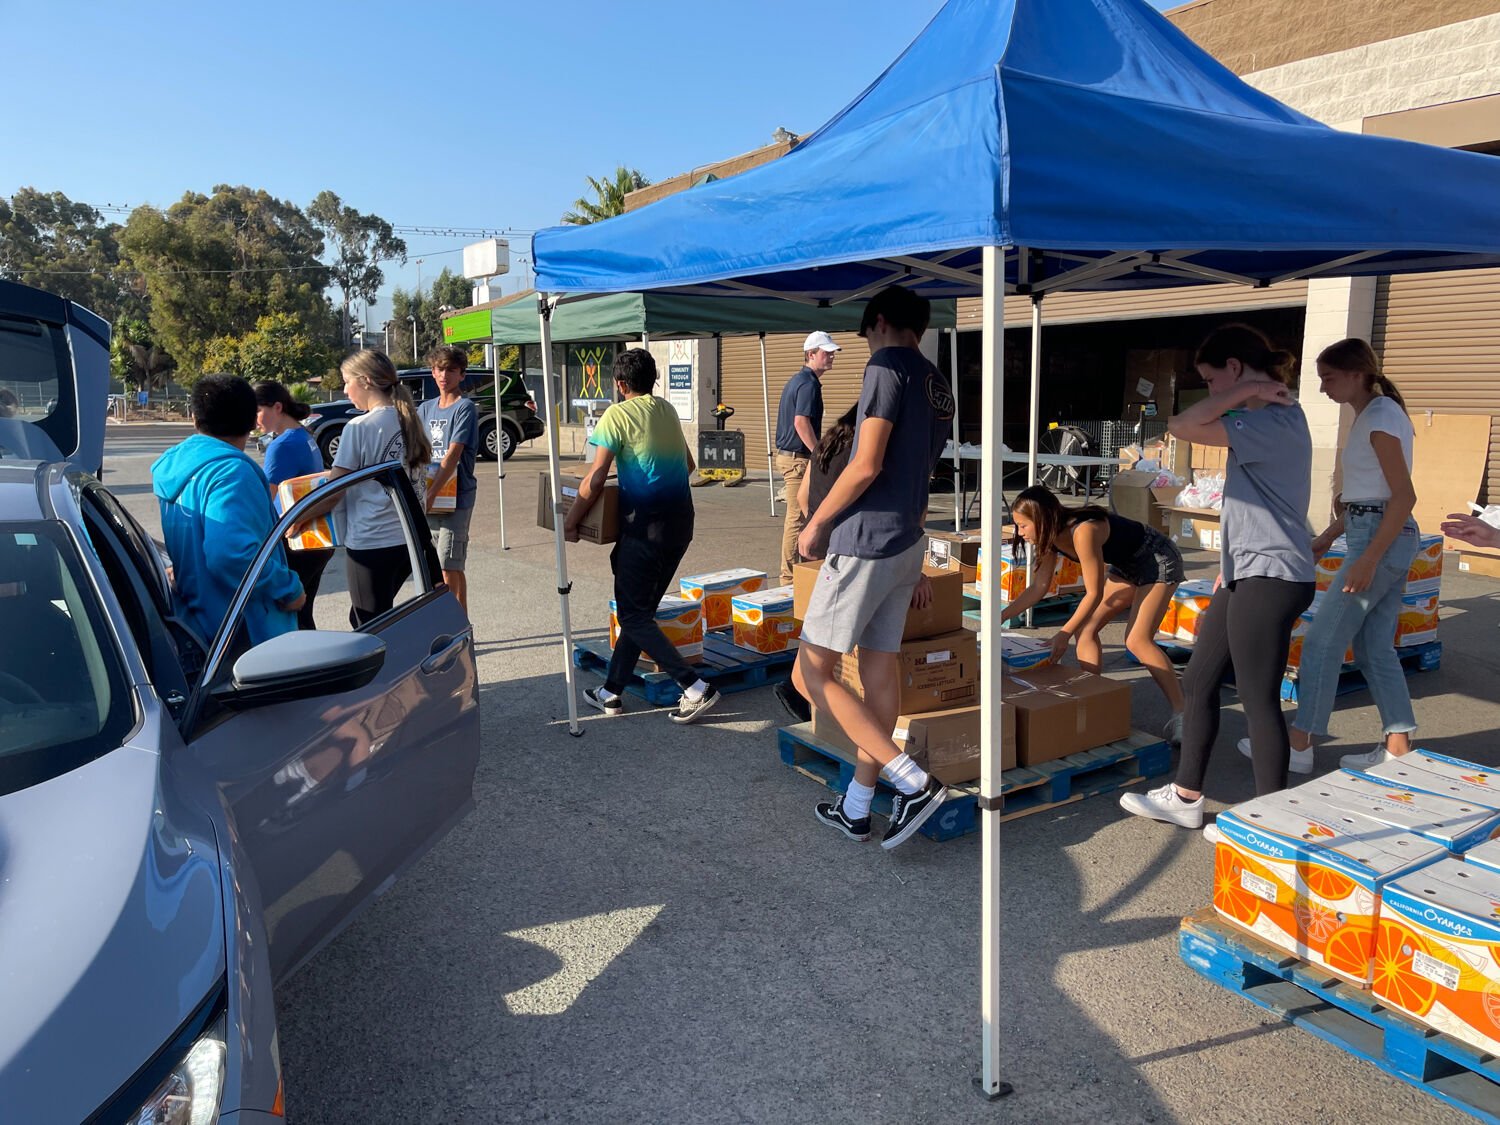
1266, 577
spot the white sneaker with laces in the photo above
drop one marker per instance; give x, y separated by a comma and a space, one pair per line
1172, 732
1165, 804
1379, 756
1212, 834
1302, 761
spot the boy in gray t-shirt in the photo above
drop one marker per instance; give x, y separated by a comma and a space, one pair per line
874, 565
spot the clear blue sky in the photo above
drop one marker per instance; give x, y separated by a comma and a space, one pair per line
475, 116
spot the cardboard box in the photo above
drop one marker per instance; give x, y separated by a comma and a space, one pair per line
1060, 711
946, 743
1017, 653
446, 499
323, 531
936, 672
1306, 876
763, 621
1194, 527
1189, 604
601, 525
680, 619
1132, 496
1456, 824
944, 614
956, 551
1436, 947
1417, 623
717, 589
1425, 576
1486, 854
1438, 773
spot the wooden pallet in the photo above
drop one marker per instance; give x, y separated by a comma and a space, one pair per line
1417, 658
724, 664
1339, 1013
1025, 790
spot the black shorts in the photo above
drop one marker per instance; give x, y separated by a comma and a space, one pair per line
1158, 560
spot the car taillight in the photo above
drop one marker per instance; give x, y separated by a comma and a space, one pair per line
531, 405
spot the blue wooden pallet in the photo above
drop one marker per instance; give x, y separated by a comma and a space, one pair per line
1417, 658
1025, 790
1339, 1013
724, 664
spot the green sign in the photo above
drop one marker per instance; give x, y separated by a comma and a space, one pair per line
465, 326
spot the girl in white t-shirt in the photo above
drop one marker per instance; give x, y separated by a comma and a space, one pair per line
374, 538
1363, 604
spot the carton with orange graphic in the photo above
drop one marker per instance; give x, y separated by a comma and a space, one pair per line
1191, 601
1306, 875
322, 532
1331, 563
1418, 621
1438, 773
1437, 950
1166, 629
680, 619
1455, 823
1013, 574
1068, 578
1018, 652
1426, 573
717, 589
1485, 855
764, 621
446, 497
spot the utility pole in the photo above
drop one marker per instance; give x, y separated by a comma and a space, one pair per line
414, 357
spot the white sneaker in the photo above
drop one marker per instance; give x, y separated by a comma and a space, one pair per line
1165, 804
1375, 757
1212, 834
1302, 761
1172, 732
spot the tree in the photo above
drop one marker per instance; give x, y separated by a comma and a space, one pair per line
215, 265
134, 357
53, 243
279, 347
360, 242
449, 291
610, 196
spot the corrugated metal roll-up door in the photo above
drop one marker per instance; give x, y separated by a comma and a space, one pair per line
739, 386
1438, 337
1085, 308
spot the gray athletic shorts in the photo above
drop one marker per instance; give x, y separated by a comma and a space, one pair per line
863, 601
450, 533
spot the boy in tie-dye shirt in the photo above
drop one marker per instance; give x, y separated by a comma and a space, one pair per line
643, 435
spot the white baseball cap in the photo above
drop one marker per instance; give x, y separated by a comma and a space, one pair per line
817, 340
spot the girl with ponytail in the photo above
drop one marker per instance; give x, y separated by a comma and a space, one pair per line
389, 430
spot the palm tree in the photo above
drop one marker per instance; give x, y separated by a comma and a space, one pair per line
610, 195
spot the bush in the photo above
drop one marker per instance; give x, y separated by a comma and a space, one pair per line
303, 392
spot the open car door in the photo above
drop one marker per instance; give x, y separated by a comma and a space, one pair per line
340, 757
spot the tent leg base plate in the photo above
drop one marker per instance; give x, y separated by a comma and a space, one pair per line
1004, 1089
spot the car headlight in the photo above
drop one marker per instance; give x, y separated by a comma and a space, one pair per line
190, 1095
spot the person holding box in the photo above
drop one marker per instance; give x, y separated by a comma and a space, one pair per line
1267, 576
292, 453
1362, 605
872, 520
1127, 568
452, 423
644, 434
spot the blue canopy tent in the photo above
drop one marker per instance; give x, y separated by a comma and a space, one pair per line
1039, 145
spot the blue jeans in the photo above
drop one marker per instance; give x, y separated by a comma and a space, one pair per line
1368, 620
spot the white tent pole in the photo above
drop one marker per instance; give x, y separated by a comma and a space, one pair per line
765, 399
500, 458
554, 470
958, 462
992, 504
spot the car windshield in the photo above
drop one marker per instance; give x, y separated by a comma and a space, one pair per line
64, 698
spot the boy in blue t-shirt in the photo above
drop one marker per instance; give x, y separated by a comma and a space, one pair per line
452, 423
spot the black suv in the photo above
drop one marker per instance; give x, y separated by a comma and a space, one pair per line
519, 420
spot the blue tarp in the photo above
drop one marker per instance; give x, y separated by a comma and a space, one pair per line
1078, 129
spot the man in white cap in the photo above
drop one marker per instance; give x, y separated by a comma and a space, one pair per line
799, 423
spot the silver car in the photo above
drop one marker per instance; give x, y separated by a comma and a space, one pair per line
184, 822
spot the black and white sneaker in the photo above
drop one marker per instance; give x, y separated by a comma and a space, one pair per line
792, 702
910, 811
595, 698
831, 813
688, 710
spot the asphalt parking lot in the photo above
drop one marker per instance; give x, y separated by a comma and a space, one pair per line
645, 924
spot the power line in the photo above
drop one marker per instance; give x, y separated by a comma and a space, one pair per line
434, 229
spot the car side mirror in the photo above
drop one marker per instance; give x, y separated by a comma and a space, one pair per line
301, 665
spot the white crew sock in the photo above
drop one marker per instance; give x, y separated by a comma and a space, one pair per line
605, 695
905, 774
697, 691
857, 800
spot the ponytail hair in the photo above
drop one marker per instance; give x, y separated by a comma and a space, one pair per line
1355, 355
839, 438
273, 392
375, 370
1248, 345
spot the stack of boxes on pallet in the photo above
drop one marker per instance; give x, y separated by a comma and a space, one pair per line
1390, 879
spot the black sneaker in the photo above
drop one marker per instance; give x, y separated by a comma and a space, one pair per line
832, 814
792, 702
910, 812
615, 706
689, 710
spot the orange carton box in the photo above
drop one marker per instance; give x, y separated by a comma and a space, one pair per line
1068, 578
1417, 623
1426, 573
321, 533
446, 499
1331, 563
1455, 823
1438, 773
1166, 628
717, 589
1306, 875
1191, 602
764, 621
680, 619
1013, 574
1436, 950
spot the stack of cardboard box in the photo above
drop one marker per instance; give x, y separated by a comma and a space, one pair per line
1418, 621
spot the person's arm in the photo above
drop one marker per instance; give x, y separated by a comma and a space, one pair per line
863, 468
589, 490
322, 507
1044, 566
1359, 573
804, 491
1471, 529
462, 433
1089, 538
237, 520
1203, 424
802, 423
1324, 542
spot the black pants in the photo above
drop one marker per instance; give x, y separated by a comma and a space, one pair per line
645, 561
308, 566
1248, 625
375, 577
